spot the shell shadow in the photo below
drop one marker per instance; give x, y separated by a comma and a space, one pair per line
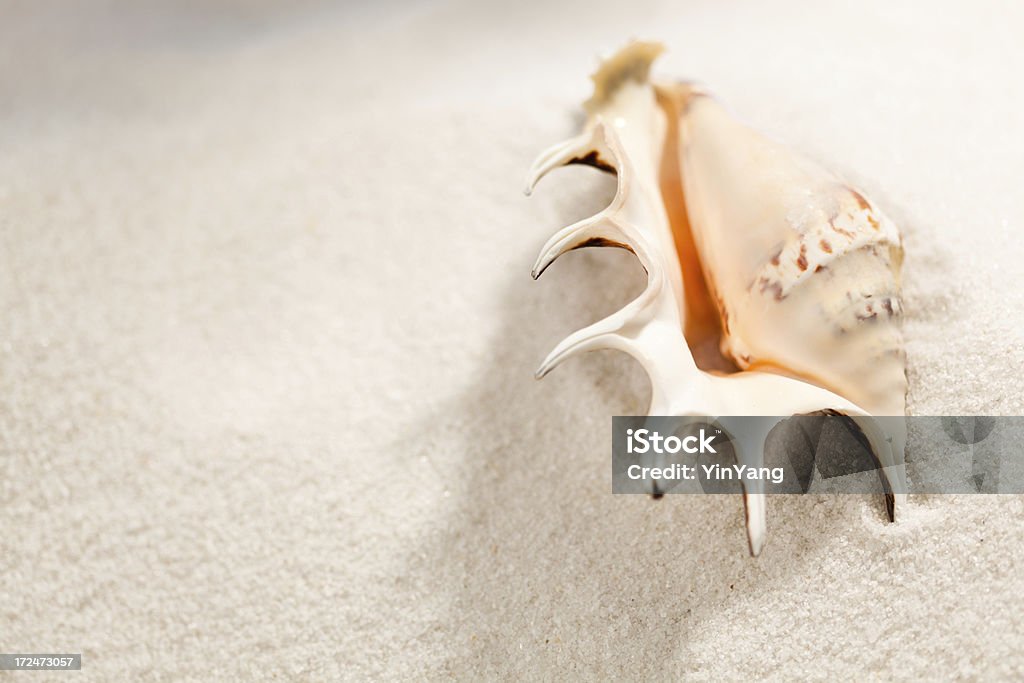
539, 565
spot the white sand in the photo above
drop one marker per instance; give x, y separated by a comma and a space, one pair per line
267, 337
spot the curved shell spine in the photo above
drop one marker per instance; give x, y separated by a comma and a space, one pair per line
630, 133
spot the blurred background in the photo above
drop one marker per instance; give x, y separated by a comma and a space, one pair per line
267, 342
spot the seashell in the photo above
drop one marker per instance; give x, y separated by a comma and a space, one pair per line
758, 262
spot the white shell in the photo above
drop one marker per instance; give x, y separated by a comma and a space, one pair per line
647, 135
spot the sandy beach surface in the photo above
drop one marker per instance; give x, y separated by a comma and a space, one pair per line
268, 334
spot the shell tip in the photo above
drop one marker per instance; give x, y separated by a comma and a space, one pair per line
531, 182
631, 63
545, 259
757, 528
756, 543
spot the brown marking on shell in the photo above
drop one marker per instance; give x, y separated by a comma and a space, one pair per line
893, 306
818, 268
873, 221
776, 256
869, 314
861, 201
602, 242
593, 159
801, 261
776, 288
825, 246
841, 231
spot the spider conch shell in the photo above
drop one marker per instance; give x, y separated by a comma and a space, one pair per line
754, 257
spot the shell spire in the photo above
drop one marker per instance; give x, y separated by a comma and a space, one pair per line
634, 130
